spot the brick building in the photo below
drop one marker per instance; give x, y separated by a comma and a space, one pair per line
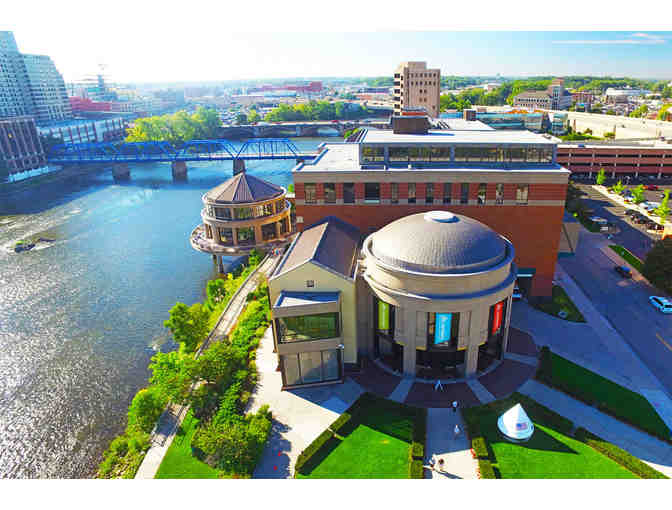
415, 86
508, 180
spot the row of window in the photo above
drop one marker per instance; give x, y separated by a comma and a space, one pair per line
246, 235
310, 367
373, 154
435, 193
245, 213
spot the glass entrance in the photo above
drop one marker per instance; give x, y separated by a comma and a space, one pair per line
384, 345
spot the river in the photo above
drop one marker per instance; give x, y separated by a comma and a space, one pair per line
81, 317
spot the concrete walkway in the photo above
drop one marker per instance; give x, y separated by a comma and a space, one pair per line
401, 391
299, 416
654, 452
480, 391
443, 444
172, 417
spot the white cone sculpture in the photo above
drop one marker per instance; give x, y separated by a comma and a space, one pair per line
515, 424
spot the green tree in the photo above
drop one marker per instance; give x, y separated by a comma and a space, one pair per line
610, 112
658, 265
663, 210
253, 117
189, 325
640, 112
662, 113
219, 363
172, 375
601, 177
209, 121
638, 194
290, 188
145, 409
618, 188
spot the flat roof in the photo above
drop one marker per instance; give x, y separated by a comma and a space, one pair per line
344, 157
286, 299
466, 125
457, 136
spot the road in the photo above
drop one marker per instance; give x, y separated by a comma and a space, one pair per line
624, 303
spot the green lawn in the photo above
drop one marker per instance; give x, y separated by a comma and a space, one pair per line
179, 462
561, 301
548, 454
589, 225
375, 444
611, 397
628, 257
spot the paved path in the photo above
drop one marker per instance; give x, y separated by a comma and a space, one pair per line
480, 391
654, 452
299, 416
401, 392
173, 416
442, 443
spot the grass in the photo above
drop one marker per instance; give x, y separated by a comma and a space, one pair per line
628, 257
179, 462
561, 301
375, 443
548, 454
612, 398
589, 225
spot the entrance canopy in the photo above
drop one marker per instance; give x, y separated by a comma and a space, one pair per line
515, 424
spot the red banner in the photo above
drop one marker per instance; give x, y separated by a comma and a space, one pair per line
497, 317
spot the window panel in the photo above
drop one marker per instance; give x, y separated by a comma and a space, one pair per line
243, 213
521, 194
447, 191
245, 235
226, 235
481, 193
311, 367
394, 193
290, 367
308, 327
329, 193
268, 231
372, 193
330, 365
499, 194
429, 193
348, 193
311, 193
411, 192
398, 154
464, 193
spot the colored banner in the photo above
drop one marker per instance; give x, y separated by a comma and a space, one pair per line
497, 317
383, 316
442, 328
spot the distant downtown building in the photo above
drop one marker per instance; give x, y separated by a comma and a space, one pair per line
555, 97
415, 86
30, 85
20, 146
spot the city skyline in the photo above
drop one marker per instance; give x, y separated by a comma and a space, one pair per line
637, 54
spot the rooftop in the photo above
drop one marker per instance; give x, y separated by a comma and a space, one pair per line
243, 188
287, 299
458, 135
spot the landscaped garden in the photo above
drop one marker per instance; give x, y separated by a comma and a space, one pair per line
594, 389
551, 452
628, 257
561, 306
374, 438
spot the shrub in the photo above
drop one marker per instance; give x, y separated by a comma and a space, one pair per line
486, 469
615, 453
124, 455
417, 450
311, 450
340, 423
145, 409
480, 447
416, 470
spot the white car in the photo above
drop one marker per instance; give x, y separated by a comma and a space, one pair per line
661, 303
598, 220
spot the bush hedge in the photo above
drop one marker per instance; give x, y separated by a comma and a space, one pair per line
480, 447
340, 422
416, 470
311, 450
417, 450
615, 453
486, 469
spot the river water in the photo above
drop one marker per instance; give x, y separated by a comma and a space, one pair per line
81, 317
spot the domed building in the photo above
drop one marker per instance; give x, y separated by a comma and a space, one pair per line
428, 294
240, 214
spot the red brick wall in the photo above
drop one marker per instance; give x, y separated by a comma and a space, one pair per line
339, 190
359, 191
547, 192
299, 191
385, 190
319, 191
533, 230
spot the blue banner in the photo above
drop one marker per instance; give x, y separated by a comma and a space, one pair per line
442, 328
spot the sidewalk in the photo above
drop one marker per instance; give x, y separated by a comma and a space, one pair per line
654, 452
442, 443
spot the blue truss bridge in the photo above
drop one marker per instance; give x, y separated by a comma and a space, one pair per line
194, 150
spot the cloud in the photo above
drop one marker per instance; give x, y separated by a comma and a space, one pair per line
636, 38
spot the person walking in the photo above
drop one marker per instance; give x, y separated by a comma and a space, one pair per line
457, 430
455, 404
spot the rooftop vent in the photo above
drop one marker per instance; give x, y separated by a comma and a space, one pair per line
411, 122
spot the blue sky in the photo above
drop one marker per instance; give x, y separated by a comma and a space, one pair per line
191, 45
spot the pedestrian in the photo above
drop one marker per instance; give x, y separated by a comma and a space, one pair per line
432, 462
440, 464
455, 406
457, 430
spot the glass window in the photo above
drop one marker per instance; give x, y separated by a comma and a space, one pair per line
414, 154
330, 365
268, 209
398, 154
348, 193
439, 153
394, 193
464, 193
533, 155
284, 225
546, 155
311, 366
268, 231
482, 187
517, 154
222, 213
329, 193
308, 327
372, 193
243, 213
290, 368
279, 206
245, 235
311, 193
226, 235
208, 231
447, 190
521, 194
411, 192
372, 154
429, 193
499, 194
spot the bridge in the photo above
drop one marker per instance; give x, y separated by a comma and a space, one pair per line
305, 128
119, 154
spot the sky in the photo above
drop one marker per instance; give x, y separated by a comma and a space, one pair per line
194, 41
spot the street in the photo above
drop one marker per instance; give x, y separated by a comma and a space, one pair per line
624, 302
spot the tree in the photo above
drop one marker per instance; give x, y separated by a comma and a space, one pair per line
172, 375
610, 112
638, 194
662, 113
218, 364
599, 180
663, 210
640, 112
253, 117
658, 265
290, 188
618, 188
145, 409
610, 135
189, 325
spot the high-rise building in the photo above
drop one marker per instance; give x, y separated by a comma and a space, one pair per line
30, 85
415, 86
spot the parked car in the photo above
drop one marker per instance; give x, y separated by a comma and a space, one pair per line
651, 187
517, 294
598, 220
624, 271
661, 303
630, 212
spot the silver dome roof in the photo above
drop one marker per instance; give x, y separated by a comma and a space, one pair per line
439, 242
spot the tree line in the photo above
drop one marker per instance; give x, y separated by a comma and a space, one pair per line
316, 110
176, 128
